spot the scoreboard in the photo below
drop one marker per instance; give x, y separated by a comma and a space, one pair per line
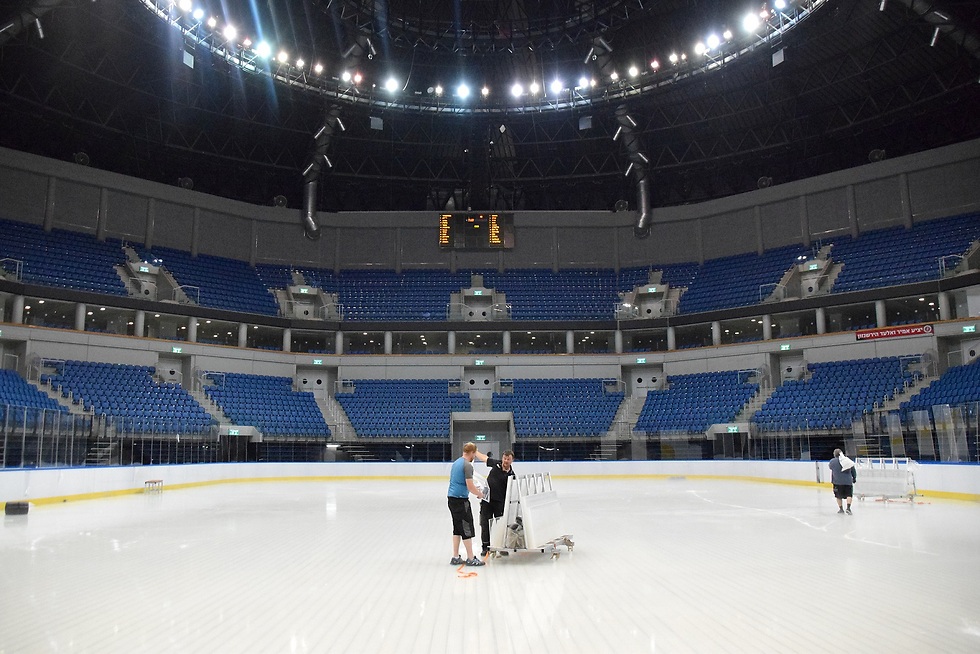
476, 231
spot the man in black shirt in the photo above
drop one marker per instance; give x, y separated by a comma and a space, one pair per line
500, 470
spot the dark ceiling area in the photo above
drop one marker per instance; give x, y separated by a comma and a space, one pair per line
112, 80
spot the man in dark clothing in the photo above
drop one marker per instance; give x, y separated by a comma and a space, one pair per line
842, 476
500, 471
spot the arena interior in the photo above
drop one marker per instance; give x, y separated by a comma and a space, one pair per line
637, 243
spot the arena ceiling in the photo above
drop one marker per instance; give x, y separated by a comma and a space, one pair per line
140, 92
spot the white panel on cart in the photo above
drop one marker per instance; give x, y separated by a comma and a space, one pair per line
542, 519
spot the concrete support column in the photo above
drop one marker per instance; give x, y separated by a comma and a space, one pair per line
80, 310
671, 338
944, 306
881, 318
570, 342
387, 342
821, 320
242, 334
767, 328
505, 342
338, 343
618, 341
451, 342
139, 323
192, 330
715, 332
17, 311
287, 340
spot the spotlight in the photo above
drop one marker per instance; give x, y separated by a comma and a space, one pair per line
614, 76
185, 183
673, 57
263, 50
655, 64
750, 23
318, 69
185, 5
485, 91
198, 14
247, 42
346, 76
633, 71
699, 48
438, 89
391, 85
713, 41
212, 22
357, 78
81, 159
517, 90
279, 201
557, 86
300, 63
230, 32
283, 57
583, 82
876, 155
779, 4
462, 91
534, 88
727, 35
764, 182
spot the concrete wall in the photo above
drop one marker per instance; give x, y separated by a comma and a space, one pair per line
899, 191
952, 481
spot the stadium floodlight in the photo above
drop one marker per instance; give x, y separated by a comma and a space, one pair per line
517, 90
346, 76
655, 65
263, 50
438, 89
633, 71
557, 86
247, 43
318, 68
300, 63
283, 57
779, 4
750, 23
614, 76
485, 91
713, 41
673, 57
534, 88
185, 6
727, 35
699, 48
391, 85
230, 32
583, 82
462, 91
212, 22
198, 14
357, 78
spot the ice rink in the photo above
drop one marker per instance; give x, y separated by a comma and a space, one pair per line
659, 565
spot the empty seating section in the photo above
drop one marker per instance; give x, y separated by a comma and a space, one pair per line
737, 281
267, 403
400, 408
559, 407
692, 403
130, 395
63, 259
902, 256
386, 295
224, 283
540, 294
958, 385
20, 400
837, 393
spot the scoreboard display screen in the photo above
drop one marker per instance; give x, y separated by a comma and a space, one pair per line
476, 231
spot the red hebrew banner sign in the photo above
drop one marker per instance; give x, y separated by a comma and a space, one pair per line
891, 332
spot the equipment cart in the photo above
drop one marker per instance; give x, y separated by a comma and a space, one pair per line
886, 478
532, 519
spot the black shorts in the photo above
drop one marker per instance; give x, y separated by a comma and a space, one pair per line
842, 491
462, 514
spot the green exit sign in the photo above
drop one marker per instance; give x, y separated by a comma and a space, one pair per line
303, 290
784, 347
651, 289
233, 432
813, 266
176, 350
317, 362
480, 437
477, 292
641, 359
478, 362
145, 269
732, 429
969, 329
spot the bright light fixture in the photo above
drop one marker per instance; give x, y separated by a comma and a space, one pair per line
345, 76
318, 69
517, 90
534, 88
198, 14
212, 22
673, 57
484, 91
750, 23
263, 49
557, 86
391, 85
300, 63
699, 48
185, 5
283, 57
230, 32
462, 91
713, 41
633, 71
